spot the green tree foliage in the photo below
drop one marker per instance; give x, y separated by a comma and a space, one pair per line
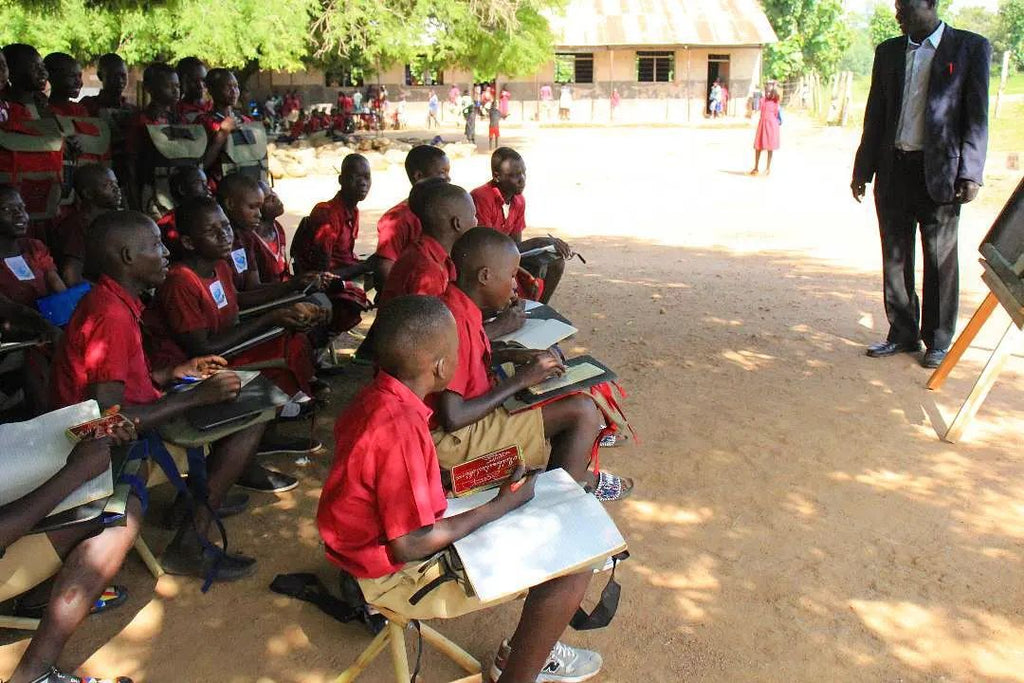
1011, 23
812, 37
511, 37
231, 34
882, 24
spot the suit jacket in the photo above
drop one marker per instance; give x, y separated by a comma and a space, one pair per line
956, 114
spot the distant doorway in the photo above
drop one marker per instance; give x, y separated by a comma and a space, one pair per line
718, 70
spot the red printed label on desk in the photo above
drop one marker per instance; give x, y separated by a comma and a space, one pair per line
485, 472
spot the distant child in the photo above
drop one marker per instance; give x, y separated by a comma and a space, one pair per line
433, 107
65, 76
381, 512
494, 129
96, 193
162, 85
270, 250
469, 111
445, 212
24, 93
111, 105
191, 76
28, 271
399, 226
500, 205
469, 419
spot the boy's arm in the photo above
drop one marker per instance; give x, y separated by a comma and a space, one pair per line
88, 459
217, 141
428, 540
202, 343
455, 412
221, 387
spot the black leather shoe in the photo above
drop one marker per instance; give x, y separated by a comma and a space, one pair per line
933, 358
258, 478
887, 348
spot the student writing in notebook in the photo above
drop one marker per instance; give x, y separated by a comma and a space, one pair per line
101, 357
500, 205
381, 509
399, 226
82, 558
469, 418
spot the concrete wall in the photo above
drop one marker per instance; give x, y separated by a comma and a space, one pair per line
683, 99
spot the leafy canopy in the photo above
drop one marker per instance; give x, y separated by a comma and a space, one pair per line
812, 37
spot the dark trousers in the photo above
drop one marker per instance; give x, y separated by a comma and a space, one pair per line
900, 210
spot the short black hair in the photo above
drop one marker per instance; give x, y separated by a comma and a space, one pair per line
155, 71
108, 61
186, 63
187, 214
353, 158
14, 53
180, 175
431, 200
501, 155
407, 333
474, 248
108, 234
420, 159
6, 188
56, 62
236, 182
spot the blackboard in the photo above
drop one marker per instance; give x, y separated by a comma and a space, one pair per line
1003, 252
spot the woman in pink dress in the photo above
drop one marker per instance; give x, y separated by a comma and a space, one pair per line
503, 102
767, 136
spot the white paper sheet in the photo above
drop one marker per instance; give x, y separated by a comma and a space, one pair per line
31, 452
563, 529
539, 334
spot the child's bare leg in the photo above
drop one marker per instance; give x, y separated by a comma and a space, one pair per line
768, 168
572, 424
551, 279
228, 459
546, 613
88, 569
757, 160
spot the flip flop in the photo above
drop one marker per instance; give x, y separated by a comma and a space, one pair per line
55, 675
611, 487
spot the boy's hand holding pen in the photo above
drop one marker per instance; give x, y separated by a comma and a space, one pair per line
519, 489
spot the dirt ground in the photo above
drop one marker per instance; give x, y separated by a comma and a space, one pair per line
795, 518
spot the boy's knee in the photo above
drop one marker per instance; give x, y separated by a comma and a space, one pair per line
586, 412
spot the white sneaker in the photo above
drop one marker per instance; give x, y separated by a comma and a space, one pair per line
565, 664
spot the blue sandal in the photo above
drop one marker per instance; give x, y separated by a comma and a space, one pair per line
611, 487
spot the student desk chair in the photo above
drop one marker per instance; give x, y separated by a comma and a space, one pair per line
393, 635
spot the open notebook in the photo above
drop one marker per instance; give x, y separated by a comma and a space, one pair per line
538, 334
562, 530
31, 452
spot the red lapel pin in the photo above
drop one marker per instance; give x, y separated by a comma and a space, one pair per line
951, 68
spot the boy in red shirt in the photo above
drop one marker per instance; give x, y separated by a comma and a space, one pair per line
500, 205
65, 76
96, 193
470, 420
101, 357
161, 84
111, 105
191, 77
399, 226
271, 246
382, 506
24, 94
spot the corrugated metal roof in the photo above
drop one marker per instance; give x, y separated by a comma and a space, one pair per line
599, 23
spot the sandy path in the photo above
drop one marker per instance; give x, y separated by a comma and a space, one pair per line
796, 518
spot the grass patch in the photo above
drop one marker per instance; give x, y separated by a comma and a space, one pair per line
1006, 133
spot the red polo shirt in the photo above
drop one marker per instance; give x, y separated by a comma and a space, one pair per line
190, 111
326, 240
396, 230
103, 343
69, 109
37, 257
489, 212
190, 302
472, 376
424, 268
270, 255
69, 238
385, 481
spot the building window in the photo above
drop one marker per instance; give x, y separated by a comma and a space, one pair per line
655, 67
421, 73
574, 67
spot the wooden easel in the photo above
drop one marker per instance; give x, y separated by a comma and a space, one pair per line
999, 293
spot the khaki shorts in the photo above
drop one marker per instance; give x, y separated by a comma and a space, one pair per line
446, 601
179, 455
26, 564
493, 432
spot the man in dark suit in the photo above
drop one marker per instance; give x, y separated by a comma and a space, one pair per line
924, 142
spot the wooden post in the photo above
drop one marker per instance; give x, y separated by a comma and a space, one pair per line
981, 388
688, 111
147, 558
1002, 81
399, 657
365, 658
450, 649
956, 351
611, 85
